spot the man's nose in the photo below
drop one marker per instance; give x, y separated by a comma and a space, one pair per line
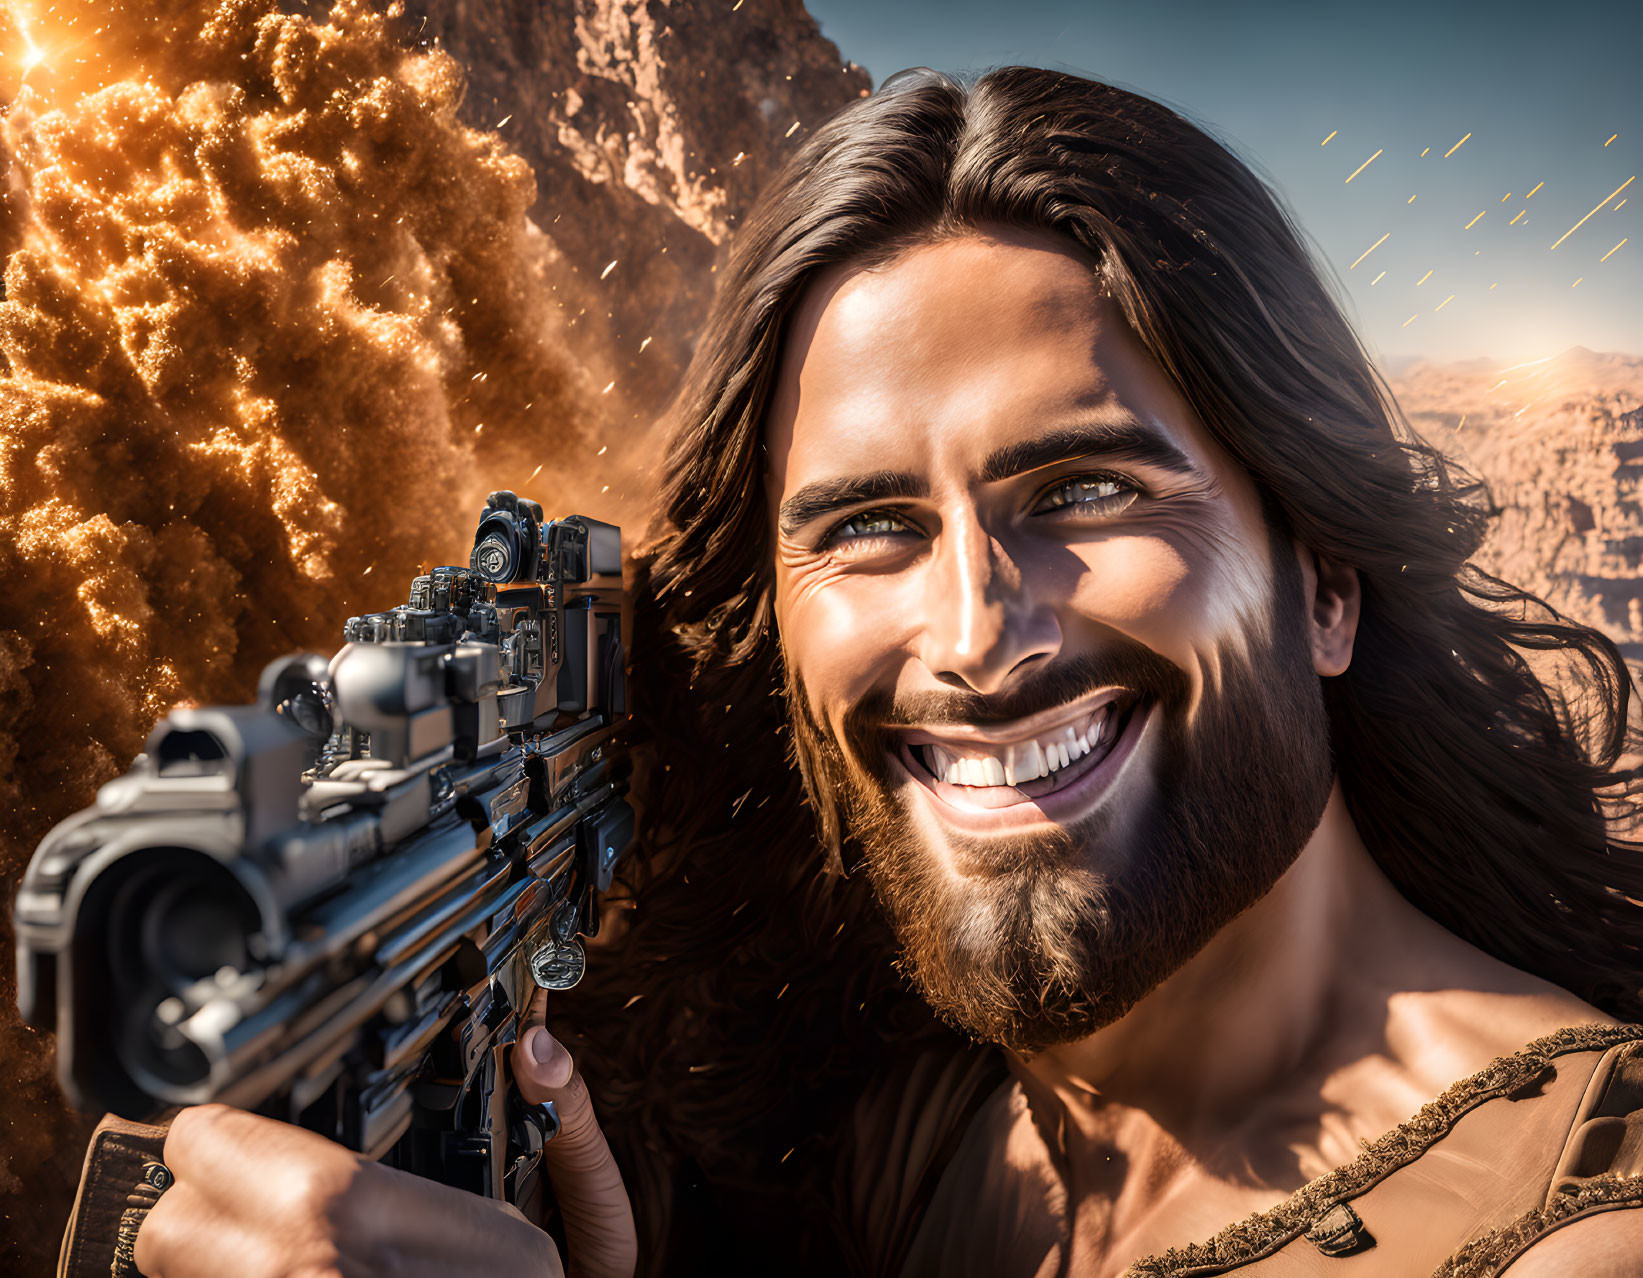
980, 627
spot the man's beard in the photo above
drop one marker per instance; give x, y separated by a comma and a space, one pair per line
1062, 934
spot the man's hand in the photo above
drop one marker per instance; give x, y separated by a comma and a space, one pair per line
586, 1181
256, 1198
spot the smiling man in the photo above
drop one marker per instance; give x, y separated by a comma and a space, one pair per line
1129, 649
1049, 607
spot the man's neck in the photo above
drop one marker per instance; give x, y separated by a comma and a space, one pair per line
1333, 986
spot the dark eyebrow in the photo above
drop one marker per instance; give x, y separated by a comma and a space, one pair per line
827, 495
1129, 440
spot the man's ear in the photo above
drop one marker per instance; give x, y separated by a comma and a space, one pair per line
1333, 598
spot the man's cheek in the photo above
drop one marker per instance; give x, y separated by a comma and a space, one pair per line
1152, 592
842, 641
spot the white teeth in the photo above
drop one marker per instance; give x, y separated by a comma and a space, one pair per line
1020, 762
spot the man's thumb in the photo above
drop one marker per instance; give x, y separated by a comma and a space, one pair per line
541, 1066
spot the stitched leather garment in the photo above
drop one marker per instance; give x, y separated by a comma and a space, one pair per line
1542, 1137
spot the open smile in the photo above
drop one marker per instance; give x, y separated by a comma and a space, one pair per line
1054, 766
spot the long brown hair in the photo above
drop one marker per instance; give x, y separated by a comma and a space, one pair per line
1479, 735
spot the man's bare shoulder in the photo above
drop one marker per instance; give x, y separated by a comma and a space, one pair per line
1608, 1245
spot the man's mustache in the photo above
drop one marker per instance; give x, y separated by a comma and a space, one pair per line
1121, 663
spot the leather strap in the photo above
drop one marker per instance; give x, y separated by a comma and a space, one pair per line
123, 1177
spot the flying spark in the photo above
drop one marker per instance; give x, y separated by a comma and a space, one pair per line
644, 344
1410, 200
1332, 133
1611, 139
1531, 194
1621, 205
533, 474
1423, 153
791, 129
1456, 147
1576, 284
502, 121
1474, 221
1377, 279
1515, 220
1410, 320
1505, 197
1370, 249
1443, 303
607, 389
1613, 251
608, 269
1423, 279
1601, 203
1365, 164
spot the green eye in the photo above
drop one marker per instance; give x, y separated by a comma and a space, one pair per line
865, 532
1088, 495
871, 524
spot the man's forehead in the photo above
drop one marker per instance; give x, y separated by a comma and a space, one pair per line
952, 298
951, 350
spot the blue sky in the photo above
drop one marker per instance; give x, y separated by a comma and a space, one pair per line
1539, 90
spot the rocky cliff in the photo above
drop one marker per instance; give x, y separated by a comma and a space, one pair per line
651, 126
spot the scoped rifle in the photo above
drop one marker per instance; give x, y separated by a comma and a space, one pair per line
332, 907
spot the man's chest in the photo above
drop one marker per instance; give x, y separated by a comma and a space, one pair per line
1022, 1200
